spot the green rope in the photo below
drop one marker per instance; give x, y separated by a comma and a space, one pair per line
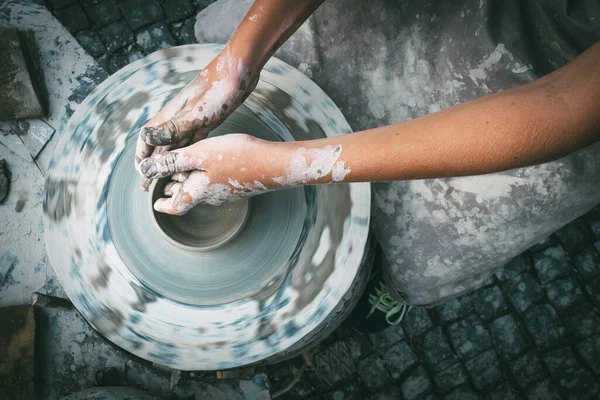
382, 301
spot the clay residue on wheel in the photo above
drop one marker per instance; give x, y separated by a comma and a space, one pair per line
60, 198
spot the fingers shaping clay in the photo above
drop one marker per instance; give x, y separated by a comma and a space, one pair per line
221, 287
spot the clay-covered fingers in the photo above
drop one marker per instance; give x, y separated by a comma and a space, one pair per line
173, 162
182, 197
172, 187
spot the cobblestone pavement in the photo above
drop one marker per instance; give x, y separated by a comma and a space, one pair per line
533, 331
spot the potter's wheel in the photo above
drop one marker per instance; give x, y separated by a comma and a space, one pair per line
255, 280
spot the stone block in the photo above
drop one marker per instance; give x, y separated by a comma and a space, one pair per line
469, 337
122, 57
335, 365
462, 393
139, 13
578, 384
544, 390
595, 227
56, 4
91, 42
389, 393
73, 18
359, 347
582, 321
542, 245
415, 384
372, 372
589, 350
527, 370
399, 358
453, 309
116, 35
484, 370
348, 392
544, 326
416, 322
504, 391
177, 10
489, 302
387, 337
508, 337
593, 289
450, 378
523, 291
514, 267
155, 37
573, 236
588, 263
436, 351
184, 31
551, 263
560, 361
564, 292
104, 12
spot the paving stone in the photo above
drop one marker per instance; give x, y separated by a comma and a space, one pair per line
484, 370
573, 236
416, 322
184, 31
399, 358
429, 396
564, 292
139, 13
73, 18
523, 291
542, 245
91, 42
348, 392
469, 337
527, 370
202, 4
508, 336
577, 385
116, 35
155, 37
514, 267
505, 391
415, 384
177, 10
544, 326
597, 246
387, 337
55, 4
453, 309
582, 321
595, 227
593, 289
301, 390
559, 361
121, 58
551, 263
489, 302
450, 378
372, 372
335, 365
437, 352
389, 393
589, 350
544, 391
462, 393
588, 263
359, 347
104, 12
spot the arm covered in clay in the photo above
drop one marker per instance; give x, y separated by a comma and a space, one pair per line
226, 81
534, 123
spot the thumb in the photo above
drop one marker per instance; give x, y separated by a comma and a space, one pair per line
169, 163
166, 133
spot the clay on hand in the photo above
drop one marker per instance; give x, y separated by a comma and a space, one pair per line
199, 108
212, 171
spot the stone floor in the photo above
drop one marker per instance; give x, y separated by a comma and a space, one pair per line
533, 331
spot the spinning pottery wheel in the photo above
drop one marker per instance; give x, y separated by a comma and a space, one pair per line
221, 287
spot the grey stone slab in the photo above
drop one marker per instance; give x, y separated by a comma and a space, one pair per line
116, 35
462, 393
34, 133
104, 12
544, 326
335, 365
348, 392
140, 13
305, 388
469, 337
454, 309
415, 384
573, 236
436, 351
91, 42
508, 336
389, 393
582, 321
372, 372
176, 10
523, 291
595, 227
359, 347
13, 142
184, 31
489, 302
73, 18
593, 289
202, 4
578, 384
55, 4
564, 292
155, 37
416, 322
527, 370
514, 267
560, 361
123, 57
551, 263
597, 246
399, 358
542, 245
504, 391
387, 337
450, 378
589, 350
544, 390
484, 370
588, 263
